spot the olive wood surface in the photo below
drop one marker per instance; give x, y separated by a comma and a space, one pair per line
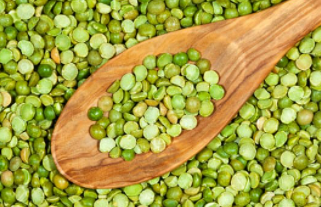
243, 51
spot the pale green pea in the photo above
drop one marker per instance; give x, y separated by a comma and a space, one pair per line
131, 42
288, 115
37, 196
191, 72
207, 108
151, 114
127, 82
178, 101
211, 77
261, 93
79, 6
173, 90
246, 140
27, 112
5, 55
46, 100
44, 86
267, 141
308, 180
54, 32
37, 41
202, 86
63, 42
247, 111
26, 47
130, 126
6, 134
317, 50
133, 190
140, 20
140, 72
271, 125
106, 144
163, 60
118, 96
178, 81
304, 62
101, 202
159, 94
127, 142
69, 71
264, 104
62, 21
188, 122
107, 50
96, 40
306, 45
171, 181
27, 177
81, 50
103, 8
316, 35
188, 88
280, 138
289, 79
128, 26
150, 131
157, 145
217, 92
22, 193
239, 181
150, 61
25, 11
120, 200
315, 78
286, 203
111, 130
185, 180
244, 130
279, 91
147, 197
115, 5
25, 66
176, 12
293, 53
66, 57
119, 48
217, 8
174, 130
80, 34
225, 199
286, 182
272, 79
287, 159
137, 97
167, 139
7, 152
248, 151
133, 2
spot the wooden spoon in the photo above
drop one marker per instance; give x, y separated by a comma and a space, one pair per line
242, 50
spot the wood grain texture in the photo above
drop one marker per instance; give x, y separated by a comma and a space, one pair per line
242, 50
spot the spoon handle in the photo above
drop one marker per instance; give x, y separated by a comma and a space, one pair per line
260, 40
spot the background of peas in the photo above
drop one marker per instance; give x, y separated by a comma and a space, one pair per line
269, 155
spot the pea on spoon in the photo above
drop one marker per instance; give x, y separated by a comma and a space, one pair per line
242, 50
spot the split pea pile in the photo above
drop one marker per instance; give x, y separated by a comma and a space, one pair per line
268, 156
156, 102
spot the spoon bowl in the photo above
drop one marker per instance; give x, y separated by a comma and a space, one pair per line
243, 51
